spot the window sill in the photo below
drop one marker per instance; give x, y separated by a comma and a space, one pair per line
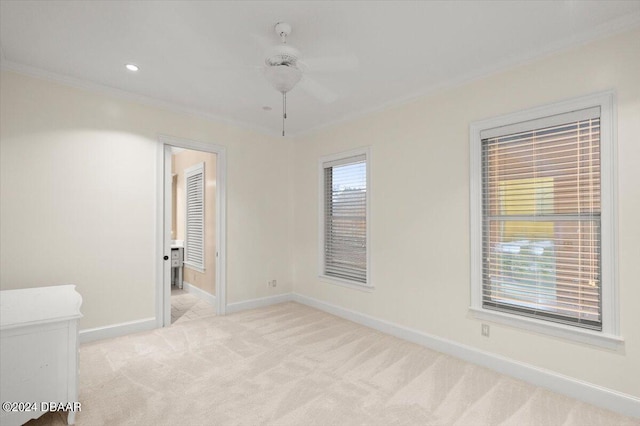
194, 267
595, 338
346, 283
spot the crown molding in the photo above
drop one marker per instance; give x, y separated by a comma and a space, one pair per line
77, 83
609, 29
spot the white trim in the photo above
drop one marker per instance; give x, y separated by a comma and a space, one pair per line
581, 114
346, 155
199, 293
258, 303
609, 204
346, 283
163, 269
475, 214
163, 281
78, 83
574, 388
602, 31
344, 160
610, 306
193, 267
166, 212
330, 160
117, 330
599, 32
568, 332
605, 100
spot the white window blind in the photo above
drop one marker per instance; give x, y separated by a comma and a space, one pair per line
345, 219
541, 219
194, 227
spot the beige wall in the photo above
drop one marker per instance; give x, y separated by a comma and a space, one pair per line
420, 208
203, 280
78, 184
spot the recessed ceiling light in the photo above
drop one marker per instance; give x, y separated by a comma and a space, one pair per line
132, 67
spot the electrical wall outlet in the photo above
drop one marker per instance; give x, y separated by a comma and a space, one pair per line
485, 330
272, 283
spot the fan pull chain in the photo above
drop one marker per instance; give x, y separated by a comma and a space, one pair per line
284, 110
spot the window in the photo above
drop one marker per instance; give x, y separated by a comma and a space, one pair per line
194, 229
542, 217
345, 205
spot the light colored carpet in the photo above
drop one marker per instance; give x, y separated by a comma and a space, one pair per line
289, 364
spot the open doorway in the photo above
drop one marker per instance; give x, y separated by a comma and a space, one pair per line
193, 230
193, 226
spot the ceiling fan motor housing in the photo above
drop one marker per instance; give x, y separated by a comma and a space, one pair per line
283, 54
282, 68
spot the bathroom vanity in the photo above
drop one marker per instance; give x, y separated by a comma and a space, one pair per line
38, 352
177, 259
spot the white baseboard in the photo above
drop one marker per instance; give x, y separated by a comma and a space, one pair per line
199, 293
581, 390
117, 330
258, 303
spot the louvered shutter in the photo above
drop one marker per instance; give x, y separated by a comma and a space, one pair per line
541, 218
194, 229
345, 219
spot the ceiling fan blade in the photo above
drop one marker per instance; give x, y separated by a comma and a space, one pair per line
317, 90
332, 63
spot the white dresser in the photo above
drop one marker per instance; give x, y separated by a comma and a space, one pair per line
38, 351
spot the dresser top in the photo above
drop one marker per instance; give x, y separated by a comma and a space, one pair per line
39, 305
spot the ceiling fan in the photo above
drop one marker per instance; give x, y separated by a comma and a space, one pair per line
284, 69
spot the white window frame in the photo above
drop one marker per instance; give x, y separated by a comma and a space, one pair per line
190, 171
609, 337
322, 162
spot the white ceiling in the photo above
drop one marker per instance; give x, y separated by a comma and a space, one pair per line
205, 56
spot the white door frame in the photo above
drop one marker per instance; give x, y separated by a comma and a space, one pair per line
163, 281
